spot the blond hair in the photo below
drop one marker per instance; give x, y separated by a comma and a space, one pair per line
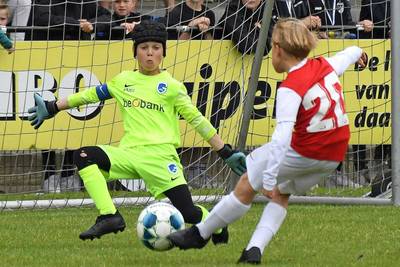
4, 6
293, 36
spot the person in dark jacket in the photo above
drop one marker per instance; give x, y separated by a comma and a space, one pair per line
100, 25
377, 11
337, 13
298, 9
241, 23
192, 13
124, 16
62, 15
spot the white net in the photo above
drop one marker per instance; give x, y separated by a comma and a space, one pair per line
38, 165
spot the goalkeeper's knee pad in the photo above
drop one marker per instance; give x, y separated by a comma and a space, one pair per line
89, 155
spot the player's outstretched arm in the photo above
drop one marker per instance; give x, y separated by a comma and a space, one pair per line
236, 160
44, 110
342, 60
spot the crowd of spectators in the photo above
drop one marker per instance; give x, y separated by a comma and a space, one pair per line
192, 19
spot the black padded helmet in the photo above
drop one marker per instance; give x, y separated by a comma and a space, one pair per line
149, 30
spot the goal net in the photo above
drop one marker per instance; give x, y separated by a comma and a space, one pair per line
36, 166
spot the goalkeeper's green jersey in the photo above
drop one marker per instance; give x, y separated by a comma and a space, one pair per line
150, 107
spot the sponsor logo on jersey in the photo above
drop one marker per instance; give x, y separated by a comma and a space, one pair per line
162, 88
172, 168
139, 103
129, 88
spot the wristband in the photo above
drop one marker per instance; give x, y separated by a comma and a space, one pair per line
52, 107
225, 152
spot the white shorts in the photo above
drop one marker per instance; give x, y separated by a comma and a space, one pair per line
297, 174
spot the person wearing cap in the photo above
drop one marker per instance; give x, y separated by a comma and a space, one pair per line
150, 101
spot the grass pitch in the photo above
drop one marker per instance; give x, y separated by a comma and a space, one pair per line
312, 235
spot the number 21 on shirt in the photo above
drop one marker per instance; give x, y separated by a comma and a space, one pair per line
331, 113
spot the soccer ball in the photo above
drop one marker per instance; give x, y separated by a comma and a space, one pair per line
156, 222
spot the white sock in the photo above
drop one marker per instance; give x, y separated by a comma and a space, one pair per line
228, 210
269, 224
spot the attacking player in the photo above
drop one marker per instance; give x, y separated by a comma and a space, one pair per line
150, 101
310, 139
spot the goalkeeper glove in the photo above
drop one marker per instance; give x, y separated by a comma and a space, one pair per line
236, 160
42, 110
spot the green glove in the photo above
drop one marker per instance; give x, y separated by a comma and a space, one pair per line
42, 110
234, 159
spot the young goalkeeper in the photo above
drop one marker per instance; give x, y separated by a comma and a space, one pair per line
309, 141
150, 101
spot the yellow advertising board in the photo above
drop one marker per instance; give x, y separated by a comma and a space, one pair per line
214, 73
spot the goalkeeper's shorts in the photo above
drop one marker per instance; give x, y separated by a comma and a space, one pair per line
158, 165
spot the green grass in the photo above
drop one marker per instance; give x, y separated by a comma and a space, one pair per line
339, 192
311, 236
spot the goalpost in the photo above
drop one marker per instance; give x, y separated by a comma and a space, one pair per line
36, 169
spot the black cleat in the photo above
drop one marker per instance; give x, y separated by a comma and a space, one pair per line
251, 256
105, 224
221, 238
188, 238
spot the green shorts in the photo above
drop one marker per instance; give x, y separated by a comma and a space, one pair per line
158, 165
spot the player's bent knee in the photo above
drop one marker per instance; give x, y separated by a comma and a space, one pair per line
279, 198
80, 158
244, 191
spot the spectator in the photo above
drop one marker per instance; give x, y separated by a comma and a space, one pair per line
64, 15
241, 23
377, 11
99, 26
19, 14
125, 15
296, 9
337, 13
191, 13
4, 40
